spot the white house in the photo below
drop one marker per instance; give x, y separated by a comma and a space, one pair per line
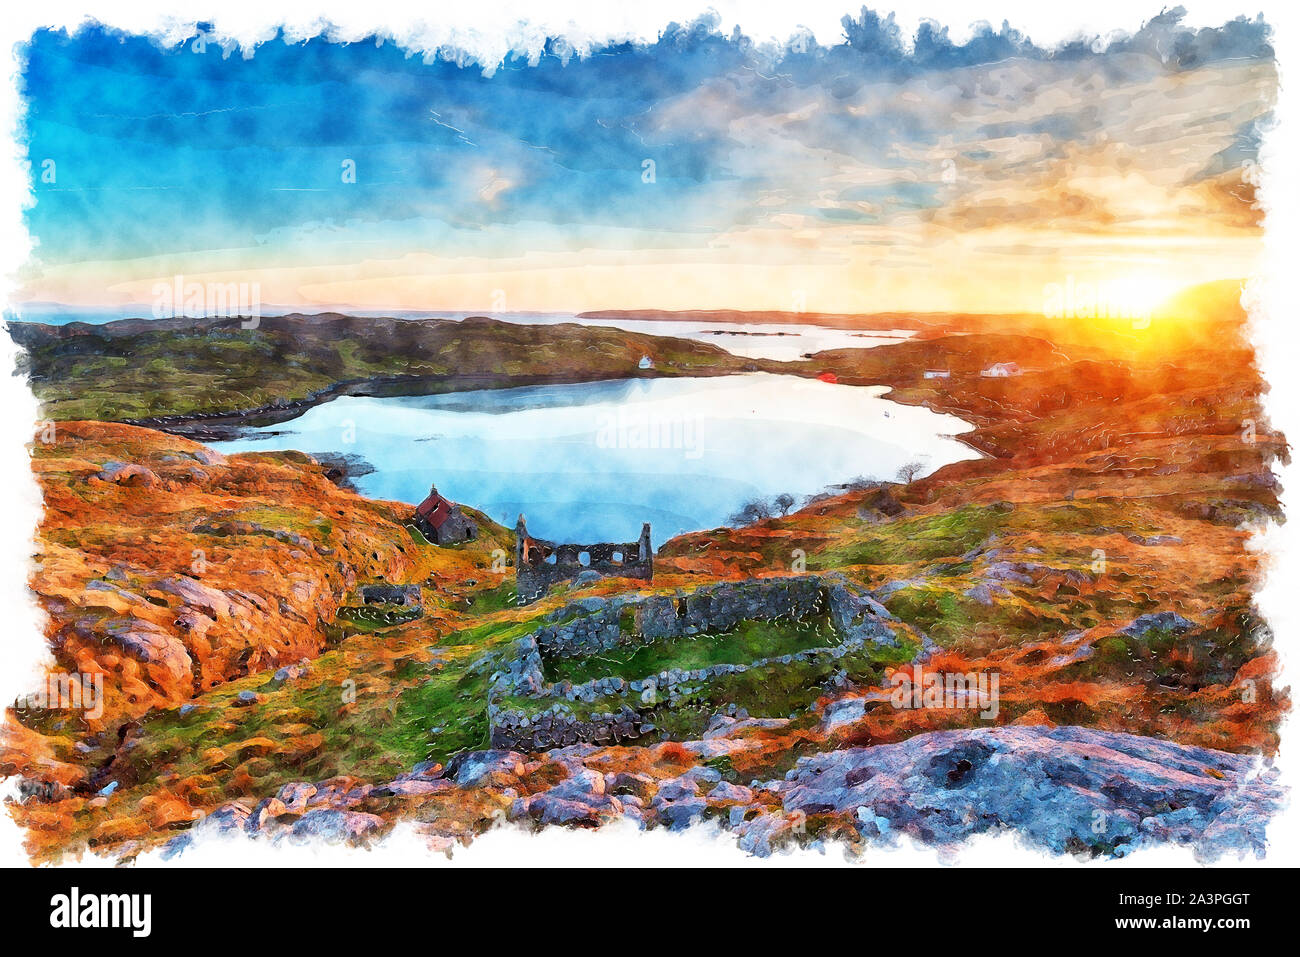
1001, 370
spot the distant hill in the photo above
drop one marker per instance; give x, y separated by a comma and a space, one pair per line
931, 322
148, 370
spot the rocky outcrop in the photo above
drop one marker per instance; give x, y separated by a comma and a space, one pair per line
390, 594
169, 569
1066, 789
1160, 621
1063, 790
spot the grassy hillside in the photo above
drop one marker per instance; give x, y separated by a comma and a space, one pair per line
137, 369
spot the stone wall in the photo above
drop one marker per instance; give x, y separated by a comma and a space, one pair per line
590, 631
595, 624
558, 727
722, 607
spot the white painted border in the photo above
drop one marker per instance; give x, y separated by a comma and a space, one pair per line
489, 28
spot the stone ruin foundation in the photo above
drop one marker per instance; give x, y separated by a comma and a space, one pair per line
590, 625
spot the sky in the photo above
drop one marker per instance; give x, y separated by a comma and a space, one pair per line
882, 172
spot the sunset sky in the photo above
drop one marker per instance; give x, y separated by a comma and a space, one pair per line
880, 173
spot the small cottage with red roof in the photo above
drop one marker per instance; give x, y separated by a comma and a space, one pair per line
442, 522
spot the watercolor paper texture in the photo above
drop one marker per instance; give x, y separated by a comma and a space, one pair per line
848, 442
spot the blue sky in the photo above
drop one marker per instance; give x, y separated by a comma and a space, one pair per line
887, 171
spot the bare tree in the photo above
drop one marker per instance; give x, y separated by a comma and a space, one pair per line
909, 472
785, 502
752, 511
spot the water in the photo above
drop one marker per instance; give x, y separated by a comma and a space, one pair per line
590, 462
783, 342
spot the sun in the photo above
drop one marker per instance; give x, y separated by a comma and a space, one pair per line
1135, 297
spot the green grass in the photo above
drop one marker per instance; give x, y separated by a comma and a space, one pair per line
452, 701
950, 535
417, 536
774, 691
1191, 659
771, 691
924, 538
365, 618
388, 729
749, 641
503, 596
348, 745
945, 613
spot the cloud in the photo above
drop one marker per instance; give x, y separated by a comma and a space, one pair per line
869, 150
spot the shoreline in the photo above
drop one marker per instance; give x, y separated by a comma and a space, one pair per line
237, 424
227, 426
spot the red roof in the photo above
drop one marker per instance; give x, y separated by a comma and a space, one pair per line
434, 510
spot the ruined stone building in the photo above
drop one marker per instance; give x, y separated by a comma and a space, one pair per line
442, 522
540, 564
